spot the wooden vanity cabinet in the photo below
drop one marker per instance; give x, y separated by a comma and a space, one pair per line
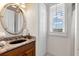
30, 52
25, 50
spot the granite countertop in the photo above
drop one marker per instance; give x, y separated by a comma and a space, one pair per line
8, 46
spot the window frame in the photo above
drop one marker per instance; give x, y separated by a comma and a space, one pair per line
65, 21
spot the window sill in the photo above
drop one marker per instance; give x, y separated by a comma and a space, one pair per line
58, 34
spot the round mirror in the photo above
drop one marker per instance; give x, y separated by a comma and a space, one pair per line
13, 20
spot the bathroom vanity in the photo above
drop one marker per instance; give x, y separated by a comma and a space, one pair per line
24, 50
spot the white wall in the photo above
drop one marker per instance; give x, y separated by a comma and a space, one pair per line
1, 29
42, 29
77, 32
62, 45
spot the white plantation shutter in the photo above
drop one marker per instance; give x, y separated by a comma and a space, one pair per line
57, 18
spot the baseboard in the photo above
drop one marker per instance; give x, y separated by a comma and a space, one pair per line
48, 54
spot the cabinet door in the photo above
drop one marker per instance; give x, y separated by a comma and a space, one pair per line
30, 52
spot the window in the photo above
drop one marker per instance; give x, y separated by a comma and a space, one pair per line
57, 18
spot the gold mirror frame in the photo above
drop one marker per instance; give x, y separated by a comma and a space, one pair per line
2, 15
